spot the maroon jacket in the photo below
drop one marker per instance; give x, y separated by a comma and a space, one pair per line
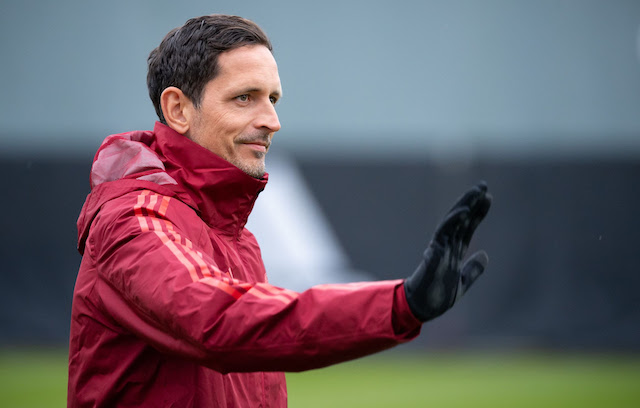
172, 307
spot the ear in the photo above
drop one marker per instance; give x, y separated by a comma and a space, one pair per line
177, 109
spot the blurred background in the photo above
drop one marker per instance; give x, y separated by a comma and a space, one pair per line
391, 110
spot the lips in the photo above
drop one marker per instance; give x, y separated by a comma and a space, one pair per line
260, 143
258, 146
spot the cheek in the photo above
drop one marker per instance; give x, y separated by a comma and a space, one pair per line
207, 129
218, 128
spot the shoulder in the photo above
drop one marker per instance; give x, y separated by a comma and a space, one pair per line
145, 210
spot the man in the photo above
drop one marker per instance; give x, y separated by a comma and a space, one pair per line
171, 306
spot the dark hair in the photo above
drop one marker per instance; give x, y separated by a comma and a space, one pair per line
187, 57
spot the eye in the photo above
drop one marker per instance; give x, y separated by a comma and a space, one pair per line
243, 98
273, 100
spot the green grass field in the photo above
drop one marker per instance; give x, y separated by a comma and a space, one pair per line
37, 378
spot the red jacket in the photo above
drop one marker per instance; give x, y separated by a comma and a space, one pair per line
172, 307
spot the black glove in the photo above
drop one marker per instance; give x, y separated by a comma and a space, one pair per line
442, 278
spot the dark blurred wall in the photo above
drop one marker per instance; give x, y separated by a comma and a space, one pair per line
40, 203
561, 236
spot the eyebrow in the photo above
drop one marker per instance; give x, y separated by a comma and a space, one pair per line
250, 90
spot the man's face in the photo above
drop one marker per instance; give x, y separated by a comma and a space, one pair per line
237, 119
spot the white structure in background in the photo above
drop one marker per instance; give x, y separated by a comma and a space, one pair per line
298, 246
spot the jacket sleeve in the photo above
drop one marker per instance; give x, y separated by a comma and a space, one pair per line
159, 284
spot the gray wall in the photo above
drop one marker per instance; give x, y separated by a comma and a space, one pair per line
425, 78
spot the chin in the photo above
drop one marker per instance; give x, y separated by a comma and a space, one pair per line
255, 170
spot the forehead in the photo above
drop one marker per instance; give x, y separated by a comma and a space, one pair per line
249, 65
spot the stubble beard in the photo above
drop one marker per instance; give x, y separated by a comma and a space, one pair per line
255, 168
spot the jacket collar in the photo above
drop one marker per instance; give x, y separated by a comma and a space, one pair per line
222, 194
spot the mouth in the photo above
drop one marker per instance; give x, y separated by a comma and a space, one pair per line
257, 146
258, 143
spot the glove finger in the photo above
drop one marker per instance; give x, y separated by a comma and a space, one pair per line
458, 245
477, 214
471, 196
471, 270
448, 229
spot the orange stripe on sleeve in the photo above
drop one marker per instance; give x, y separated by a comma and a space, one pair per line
176, 252
216, 283
261, 295
163, 206
150, 210
187, 247
156, 224
137, 209
153, 199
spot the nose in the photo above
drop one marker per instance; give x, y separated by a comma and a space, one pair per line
268, 118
